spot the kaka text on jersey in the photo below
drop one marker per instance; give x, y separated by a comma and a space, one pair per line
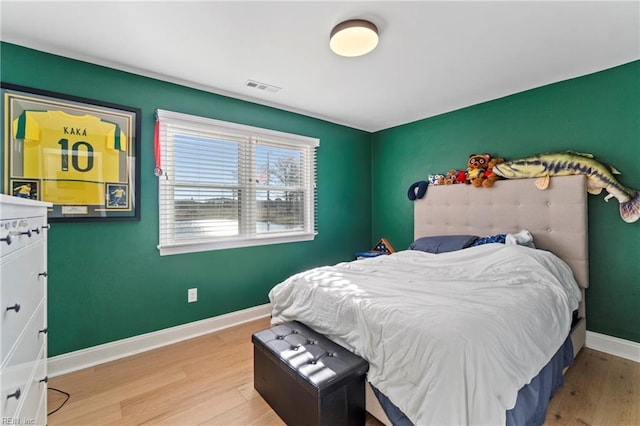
74, 131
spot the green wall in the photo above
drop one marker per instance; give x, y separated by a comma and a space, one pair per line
597, 113
107, 280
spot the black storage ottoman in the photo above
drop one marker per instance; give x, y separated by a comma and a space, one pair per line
308, 379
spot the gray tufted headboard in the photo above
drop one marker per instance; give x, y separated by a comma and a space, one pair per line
557, 216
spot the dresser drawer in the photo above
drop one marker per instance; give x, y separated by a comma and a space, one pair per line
19, 367
29, 342
23, 288
17, 233
35, 393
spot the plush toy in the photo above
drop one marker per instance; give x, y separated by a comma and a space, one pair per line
436, 179
461, 176
599, 176
450, 178
476, 166
489, 176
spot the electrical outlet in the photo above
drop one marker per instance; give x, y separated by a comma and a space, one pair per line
192, 295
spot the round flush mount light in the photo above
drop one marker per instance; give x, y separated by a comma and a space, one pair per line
354, 37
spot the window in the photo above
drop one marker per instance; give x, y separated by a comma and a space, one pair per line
228, 185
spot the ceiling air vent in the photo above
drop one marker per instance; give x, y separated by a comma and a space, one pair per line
262, 86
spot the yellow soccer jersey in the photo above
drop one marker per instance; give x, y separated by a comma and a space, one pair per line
73, 155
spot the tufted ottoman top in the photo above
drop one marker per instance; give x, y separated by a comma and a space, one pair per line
321, 364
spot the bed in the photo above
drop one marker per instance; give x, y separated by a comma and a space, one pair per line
455, 388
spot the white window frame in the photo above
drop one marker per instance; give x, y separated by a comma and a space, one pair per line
248, 237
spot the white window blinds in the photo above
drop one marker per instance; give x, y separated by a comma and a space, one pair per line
228, 185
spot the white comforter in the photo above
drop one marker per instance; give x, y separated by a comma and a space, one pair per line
450, 338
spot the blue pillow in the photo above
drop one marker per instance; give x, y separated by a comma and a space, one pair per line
443, 243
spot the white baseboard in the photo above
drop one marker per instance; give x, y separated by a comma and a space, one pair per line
613, 345
73, 361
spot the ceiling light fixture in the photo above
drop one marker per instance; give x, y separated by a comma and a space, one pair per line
354, 37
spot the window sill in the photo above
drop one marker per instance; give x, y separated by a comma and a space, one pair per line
222, 245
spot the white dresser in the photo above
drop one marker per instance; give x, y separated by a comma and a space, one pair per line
23, 311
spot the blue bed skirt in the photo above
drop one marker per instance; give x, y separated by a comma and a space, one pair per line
533, 399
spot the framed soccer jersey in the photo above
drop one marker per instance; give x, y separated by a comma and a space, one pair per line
79, 154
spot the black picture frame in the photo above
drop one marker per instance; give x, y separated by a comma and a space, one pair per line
80, 154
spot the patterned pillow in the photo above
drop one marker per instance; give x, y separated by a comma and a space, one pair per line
498, 238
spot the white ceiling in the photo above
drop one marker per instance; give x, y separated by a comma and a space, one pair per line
433, 57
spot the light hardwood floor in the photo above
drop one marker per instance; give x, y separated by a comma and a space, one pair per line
209, 380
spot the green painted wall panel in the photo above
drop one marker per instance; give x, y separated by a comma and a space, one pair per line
597, 113
107, 281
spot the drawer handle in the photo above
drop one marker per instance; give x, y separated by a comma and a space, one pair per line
27, 232
36, 230
15, 307
7, 239
45, 380
47, 226
44, 330
43, 274
15, 395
